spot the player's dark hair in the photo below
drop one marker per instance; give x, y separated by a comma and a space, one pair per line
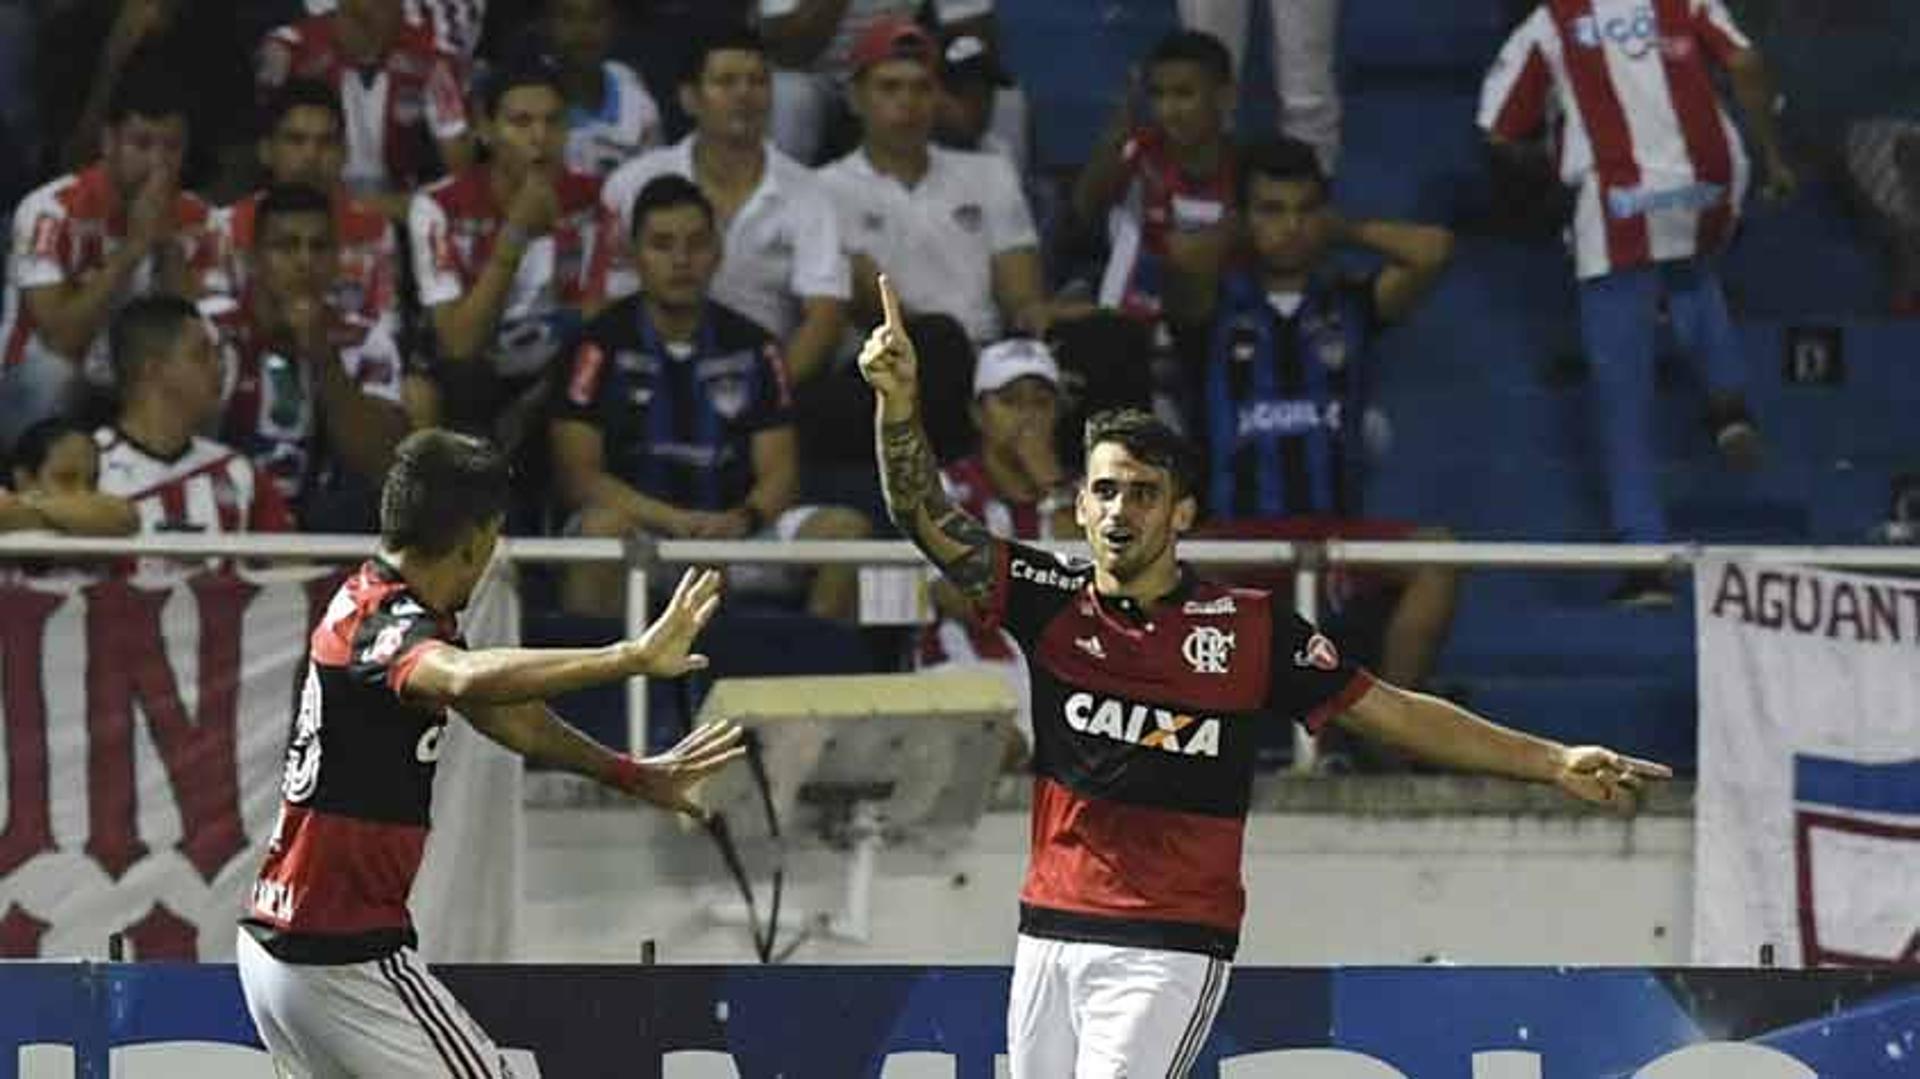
733, 38
440, 488
302, 94
283, 200
147, 327
36, 443
665, 192
1282, 158
531, 68
149, 88
1194, 47
1148, 439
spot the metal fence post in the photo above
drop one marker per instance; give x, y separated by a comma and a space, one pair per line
640, 556
1306, 601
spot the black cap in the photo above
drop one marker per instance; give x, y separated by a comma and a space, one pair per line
968, 58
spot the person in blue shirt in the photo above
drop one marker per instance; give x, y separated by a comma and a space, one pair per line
675, 417
1283, 400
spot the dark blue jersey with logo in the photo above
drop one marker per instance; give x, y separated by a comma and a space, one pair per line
678, 421
1285, 397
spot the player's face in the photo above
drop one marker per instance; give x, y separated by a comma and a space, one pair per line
1186, 101
1025, 407
528, 132
1290, 222
581, 31
732, 96
296, 255
305, 148
1130, 512
191, 374
895, 99
139, 146
72, 467
676, 252
964, 112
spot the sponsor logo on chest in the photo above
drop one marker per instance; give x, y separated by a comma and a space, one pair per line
1143, 725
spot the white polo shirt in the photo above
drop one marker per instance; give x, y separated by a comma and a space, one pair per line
782, 246
936, 240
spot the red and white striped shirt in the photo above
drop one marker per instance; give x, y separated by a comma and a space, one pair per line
1160, 199
369, 249
1627, 86
66, 230
452, 225
207, 487
416, 93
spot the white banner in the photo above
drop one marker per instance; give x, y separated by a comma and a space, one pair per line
1807, 827
143, 728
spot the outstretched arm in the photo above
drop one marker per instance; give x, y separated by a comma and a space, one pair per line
666, 780
952, 539
497, 676
1445, 734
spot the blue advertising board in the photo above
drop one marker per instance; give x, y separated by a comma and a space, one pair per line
157, 1021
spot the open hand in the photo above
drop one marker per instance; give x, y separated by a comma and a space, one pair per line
666, 647
668, 779
1602, 777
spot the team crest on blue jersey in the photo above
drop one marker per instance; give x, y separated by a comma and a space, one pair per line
728, 393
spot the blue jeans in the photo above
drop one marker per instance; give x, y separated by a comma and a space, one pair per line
40, 387
1618, 313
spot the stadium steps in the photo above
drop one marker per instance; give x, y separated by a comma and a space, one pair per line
1646, 717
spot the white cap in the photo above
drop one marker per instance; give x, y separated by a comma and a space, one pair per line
1003, 362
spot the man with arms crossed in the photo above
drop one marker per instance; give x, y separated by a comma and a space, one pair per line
326, 947
1148, 687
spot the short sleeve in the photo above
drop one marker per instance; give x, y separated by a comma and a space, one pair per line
376, 365
1713, 24
773, 400
446, 99
1513, 98
274, 61
436, 268
1030, 586
1010, 222
390, 642
820, 268
39, 235
584, 382
1312, 681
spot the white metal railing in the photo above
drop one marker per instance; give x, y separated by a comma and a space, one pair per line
641, 557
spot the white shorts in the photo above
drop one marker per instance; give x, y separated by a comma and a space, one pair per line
373, 1020
1099, 1011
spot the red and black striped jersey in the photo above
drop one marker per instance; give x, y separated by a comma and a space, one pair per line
1145, 725
358, 784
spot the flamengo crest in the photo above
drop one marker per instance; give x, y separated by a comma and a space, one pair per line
1207, 650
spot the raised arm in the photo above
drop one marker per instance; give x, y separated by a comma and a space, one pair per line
959, 545
497, 676
666, 780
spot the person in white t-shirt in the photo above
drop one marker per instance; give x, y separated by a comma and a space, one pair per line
611, 118
949, 228
813, 45
782, 266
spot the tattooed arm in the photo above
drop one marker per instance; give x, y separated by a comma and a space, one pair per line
952, 539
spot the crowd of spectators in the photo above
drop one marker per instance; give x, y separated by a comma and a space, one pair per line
638, 259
